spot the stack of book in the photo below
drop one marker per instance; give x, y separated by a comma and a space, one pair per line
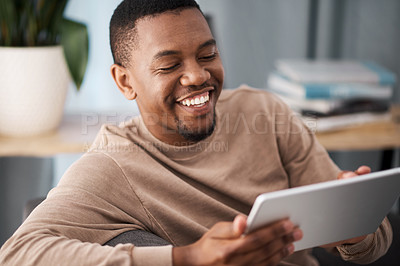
332, 94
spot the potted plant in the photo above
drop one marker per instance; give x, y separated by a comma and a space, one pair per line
40, 51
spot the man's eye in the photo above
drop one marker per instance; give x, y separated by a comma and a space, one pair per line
168, 68
208, 57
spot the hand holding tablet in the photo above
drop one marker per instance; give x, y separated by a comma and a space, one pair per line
331, 211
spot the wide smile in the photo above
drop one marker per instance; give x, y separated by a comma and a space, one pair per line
199, 103
197, 100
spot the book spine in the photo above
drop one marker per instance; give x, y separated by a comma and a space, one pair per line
331, 71
345, 91
385, 77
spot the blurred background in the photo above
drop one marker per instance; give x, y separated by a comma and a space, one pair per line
251, 36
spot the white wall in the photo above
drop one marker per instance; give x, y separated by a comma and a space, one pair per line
98, 92
252, 34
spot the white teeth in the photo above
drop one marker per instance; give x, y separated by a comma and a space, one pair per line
196, 101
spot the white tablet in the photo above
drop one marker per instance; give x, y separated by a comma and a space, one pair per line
330, 211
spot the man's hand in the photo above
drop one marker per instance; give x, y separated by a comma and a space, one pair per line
362, 170
225, 244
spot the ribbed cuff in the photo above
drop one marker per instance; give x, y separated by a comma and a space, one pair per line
155, 256
350, 251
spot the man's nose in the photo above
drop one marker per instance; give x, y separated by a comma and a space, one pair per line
194, 75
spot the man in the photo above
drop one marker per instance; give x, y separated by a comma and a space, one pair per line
195, 157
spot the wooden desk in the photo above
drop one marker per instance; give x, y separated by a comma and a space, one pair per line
373, 136
70, 137
76, 134
384, 136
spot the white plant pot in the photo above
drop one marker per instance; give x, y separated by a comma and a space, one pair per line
33, 87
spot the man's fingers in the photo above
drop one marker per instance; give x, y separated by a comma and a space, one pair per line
347, 174
261, 244
268, 254
362, 170
281, 247
283, 232
278, 256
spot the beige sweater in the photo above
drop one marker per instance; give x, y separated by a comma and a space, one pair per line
130, 180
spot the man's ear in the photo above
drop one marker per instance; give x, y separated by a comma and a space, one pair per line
121, 78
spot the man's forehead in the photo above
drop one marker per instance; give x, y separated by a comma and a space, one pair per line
172, 27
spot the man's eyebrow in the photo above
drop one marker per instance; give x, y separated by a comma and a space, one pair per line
164, 53
207, 43
173, 52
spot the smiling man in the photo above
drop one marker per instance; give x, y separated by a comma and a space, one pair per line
174, 72
161, 172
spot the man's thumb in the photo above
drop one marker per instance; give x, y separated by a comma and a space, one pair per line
229, 230
239, 225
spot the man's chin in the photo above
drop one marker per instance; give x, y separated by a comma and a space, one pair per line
195, 135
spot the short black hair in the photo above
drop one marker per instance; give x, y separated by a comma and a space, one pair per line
123, 22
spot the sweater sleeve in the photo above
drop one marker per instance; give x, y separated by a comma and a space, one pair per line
371, 248
92, 204
303, 157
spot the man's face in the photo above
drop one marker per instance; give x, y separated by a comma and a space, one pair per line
177, 75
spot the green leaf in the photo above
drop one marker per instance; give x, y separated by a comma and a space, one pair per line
52, 18
7, 19
75, 40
